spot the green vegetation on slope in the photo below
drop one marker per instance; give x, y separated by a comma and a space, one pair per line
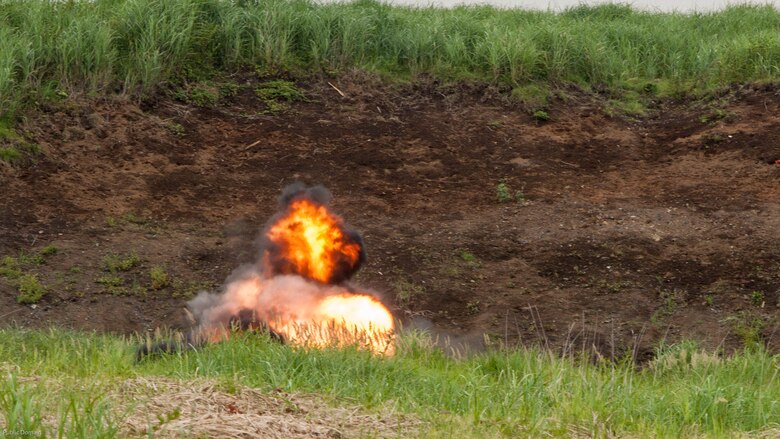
49, 48
512, 393
16, 272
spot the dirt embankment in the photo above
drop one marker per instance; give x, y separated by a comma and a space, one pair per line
615, 233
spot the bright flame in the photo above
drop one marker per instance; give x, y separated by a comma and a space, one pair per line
341, 320
310, 242
308, 314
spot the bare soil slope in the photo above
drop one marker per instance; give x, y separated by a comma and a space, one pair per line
618, 233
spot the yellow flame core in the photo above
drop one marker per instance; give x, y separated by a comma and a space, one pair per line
342, 320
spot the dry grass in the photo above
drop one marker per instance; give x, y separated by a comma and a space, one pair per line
208, 409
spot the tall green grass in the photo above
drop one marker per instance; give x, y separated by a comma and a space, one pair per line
135, 45
513, 393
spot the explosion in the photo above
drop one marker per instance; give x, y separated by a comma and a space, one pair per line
308, 240
299, 288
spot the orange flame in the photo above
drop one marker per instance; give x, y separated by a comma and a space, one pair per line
311, 243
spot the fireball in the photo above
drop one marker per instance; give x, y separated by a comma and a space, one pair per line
312, 242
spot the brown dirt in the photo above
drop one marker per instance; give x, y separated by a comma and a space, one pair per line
630, 231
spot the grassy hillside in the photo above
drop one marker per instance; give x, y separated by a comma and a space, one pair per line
76, 384
49, 49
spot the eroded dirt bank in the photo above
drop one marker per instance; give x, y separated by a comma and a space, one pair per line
618, 233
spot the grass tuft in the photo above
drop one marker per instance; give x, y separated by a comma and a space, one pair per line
280, 90
9, 154
159, 278
9, 268
115, 263
533, 96
110, 280
49, 250
541, 115
31, 290
277, 95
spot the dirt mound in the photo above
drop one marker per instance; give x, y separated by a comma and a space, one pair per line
587, 230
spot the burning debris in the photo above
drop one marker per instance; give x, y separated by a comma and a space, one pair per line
299, 289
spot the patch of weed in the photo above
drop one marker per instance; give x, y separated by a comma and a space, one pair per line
717, 114
176, 129
137, 290
473, 307
757, 298
201, 94
194, 71
280, 90
168, 417
182, 290
31, 149
31, 258
15, 149
114, 263
541, 115
502, 193
274, 107
279, 94
713, 138
625, 106
10, 154
31, 290
7, 131
668, 306
49, 250
12, 269
228, 89
159, 278
532, 96
110, 280
9, 268
468, 257
642, 88
132, 218
495, 124
203, 97
614, 286
406, 291
748, 327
